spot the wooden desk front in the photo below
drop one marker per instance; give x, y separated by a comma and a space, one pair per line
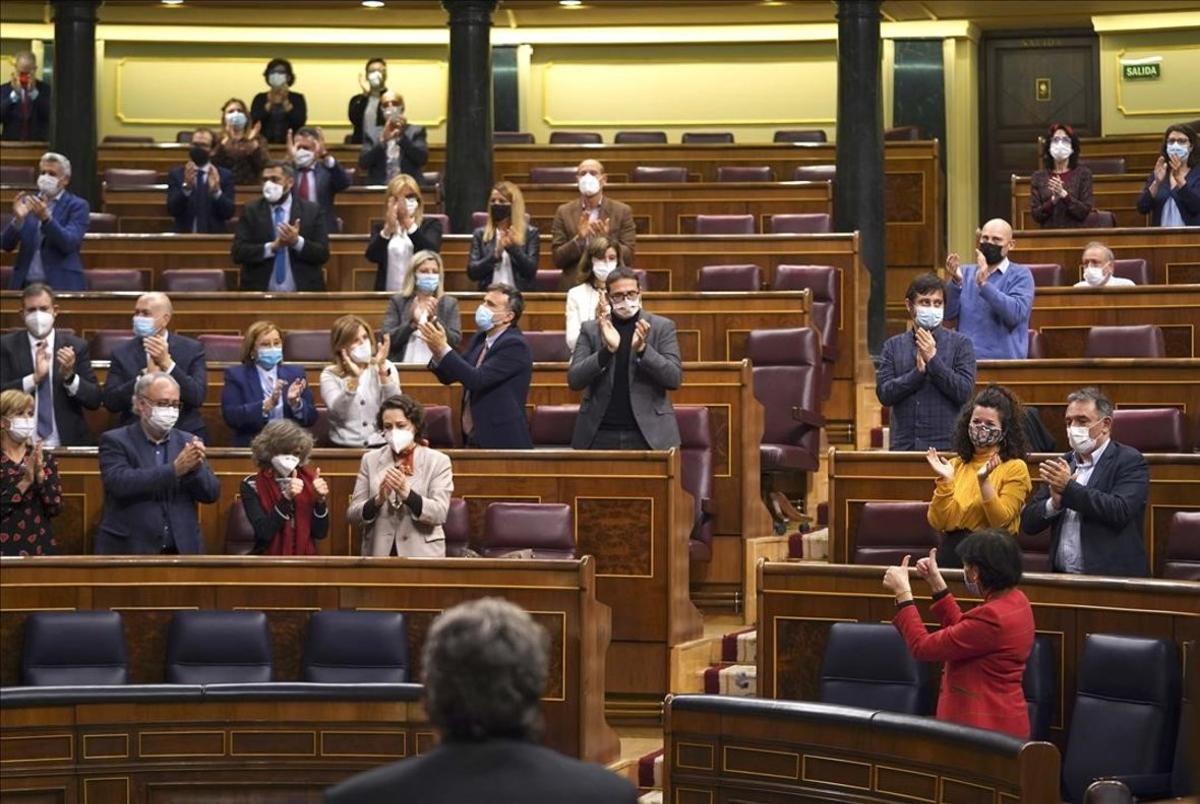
856, 478
799, 602
1117, 193
146, 591
1171, 254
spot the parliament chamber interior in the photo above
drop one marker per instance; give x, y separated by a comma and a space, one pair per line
826, 428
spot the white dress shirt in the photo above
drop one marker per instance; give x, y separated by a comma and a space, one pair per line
581, 306
400, 253
289, 282
1070, 544
503, 271
29, 383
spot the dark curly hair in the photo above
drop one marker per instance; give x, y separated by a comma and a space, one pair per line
412, 410
995, 553
1047, 159
285, 64
1012, 421
1193, 138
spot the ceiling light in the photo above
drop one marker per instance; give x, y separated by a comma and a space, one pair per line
172, 2
570, 3
373, 3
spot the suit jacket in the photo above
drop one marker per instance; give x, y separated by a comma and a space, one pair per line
256, 227
482, 262
1187, 198
568, 250
413, 534
199, 205
59, 239
1071, 211
10, 113
1111, 508
398, 323
16, 363
190, 371
354, 112
925, 405
427, 237
499, 388
496, 771
329, 182
242, 400
139, 492
651, 375
414, 153
984, 651
275, 121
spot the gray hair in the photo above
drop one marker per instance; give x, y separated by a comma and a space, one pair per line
57, 159
1104, 405
1096, 244
146, 382
485, 667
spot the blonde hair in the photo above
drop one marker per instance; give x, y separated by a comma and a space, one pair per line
253, 333
281, 437
516, 222
344, 330
396, 188
409, 285
14, 403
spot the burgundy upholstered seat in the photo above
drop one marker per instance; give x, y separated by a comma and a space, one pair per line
888, 531
457, 528
547, 529
1035, 551
222, 348
639, 137
443, 219
801, 135
1182, 559
707, 137
658, 173
546, 280
239, 533
548, 346
129, 177
814, 173
306, 346
902, 133
1135, 270
1100, 219
1104, 165
730, 278
106, 341
697, 460
1144, 340
552, 174
21, 175
745, 173
102, 223
1046, 274
553, 425
439, 427
109, 280
822, 280
1151, 429
724, 224
512, 138
575, 138
802, 223
787, 383
193, 280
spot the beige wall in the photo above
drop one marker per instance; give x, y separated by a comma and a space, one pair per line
1139, 107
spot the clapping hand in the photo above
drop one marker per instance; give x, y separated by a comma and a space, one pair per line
189, 458
601, 305
34, 466
38, 207
294, 391
189, 174
982, 269
1056, 473
504, 241
158, 352
348, 364
639, 335
287, 234
612, 338
434, 336
273, 398
20, 208
954, 266
66, 362
1179, 171
213, 180
41, 364
896, 581
1160, 171
986, 469
380, 359
1056, 188
926, 346
939, 464
391, 218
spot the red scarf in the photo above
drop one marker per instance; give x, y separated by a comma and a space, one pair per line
293, 538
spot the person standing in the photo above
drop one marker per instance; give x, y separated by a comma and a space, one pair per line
404, 232
319, 176
592, 215
241, 148
364, 111
25, 104
30, 492
1060, 194
992, 299
49, 226
588, 299
421, 298
286, 501
357, 382
201, 197
1171, 196
279, 110
281, 241
501, 252
401, 147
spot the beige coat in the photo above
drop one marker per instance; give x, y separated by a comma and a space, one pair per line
413, 537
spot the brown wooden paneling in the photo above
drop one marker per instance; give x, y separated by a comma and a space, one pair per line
1172, 255
1112, 193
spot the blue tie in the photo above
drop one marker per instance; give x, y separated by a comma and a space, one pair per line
281, 255
45, 403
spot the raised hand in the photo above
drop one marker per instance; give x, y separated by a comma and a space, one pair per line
601, 305
895, 579
612, 338
291, 146
348, 365
434, 336
987, 468
294, 392
927, 568
66, 362
188, 459
156, 348
939, 464
292, 487
384, 348
320, 486
20, 208
254, 129
640, 332
213, 180
982, 269
954, 267
41, 363
189, 174
926, 345
38, 207
37, 463
391, 218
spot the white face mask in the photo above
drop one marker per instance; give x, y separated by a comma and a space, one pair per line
277, 80
361, 353
401, 438
39, 323
589, 184
1094, 275
1081, 441
163, 420
375, 78
22, 428
284, 465
627, 308
304, 157
393, 112
47, 185
1060, 151
602, 268
411, 205
236, 119
272, 191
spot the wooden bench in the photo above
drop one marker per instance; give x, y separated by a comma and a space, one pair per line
1112, 193
1172, 254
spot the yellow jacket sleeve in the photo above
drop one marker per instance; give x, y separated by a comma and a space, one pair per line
1011, 482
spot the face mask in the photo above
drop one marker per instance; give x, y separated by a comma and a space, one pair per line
411, 205
1094, 275
589, 184
929, 317
39, 323
501, 212
270, 356
393, 112
1178, 150
143, 326
627, 308
991, 253
25, 79
277, 80
1060, 151
236, 119
428, 283
602, 268
401, 438
284, 465
361, 353
375, 78
485, 319
1081, 440
984, 435
972, 586
22, 428
272, 191
199, 155
304, 157
163, 419
48, 185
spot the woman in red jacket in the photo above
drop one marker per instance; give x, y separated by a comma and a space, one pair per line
985, 648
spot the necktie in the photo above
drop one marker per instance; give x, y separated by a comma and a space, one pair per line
281, 255
468, 421
306, 185
200, 201
45, 403
26, 115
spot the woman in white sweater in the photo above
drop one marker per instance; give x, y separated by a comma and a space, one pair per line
586, 298
359, 379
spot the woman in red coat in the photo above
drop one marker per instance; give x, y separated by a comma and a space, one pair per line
984, 649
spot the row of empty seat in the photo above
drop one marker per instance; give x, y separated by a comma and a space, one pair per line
1051, 274
1138, 340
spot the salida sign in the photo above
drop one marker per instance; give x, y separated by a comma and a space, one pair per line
1142, 72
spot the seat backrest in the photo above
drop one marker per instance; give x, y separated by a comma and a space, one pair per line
439, 426
709, 137
1037, 344
127, 139
802, 223
800, 135
478, 220
887, 531
552, 174
546, 280
356, 647
1040, 684
239, 533
457, 528
129, 177
222, 348
697, 459
442, 219
724, 224
1046, 274
1103, 165
23, 175
575, 137
553, 425
73, 648
218, 647
1144, 340
869, 665
822, 280
642, 137
1182, 559
102, 223
512, 138
548, 346
430, 178
1100, 219
306, 345
1151, 429
183, 137
1126, 711
1035, 550
729, 278
106, 341
745, 173
814, 173
658, 173
113, 279
1136, 270
902, 133
786, 376
547, 529
193, 280
320, 429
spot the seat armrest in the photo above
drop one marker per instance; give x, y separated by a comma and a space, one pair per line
708, 506
809, 417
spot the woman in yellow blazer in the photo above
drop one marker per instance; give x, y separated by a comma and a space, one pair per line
985, 484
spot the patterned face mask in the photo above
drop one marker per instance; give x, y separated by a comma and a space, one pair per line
984, 435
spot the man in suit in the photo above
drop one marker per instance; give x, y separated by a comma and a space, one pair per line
281, 241
495, 371
625, 362
155, 349
200, 195
1093, 498
993, 298
53, 367
364, 111
402, 148
153, 475
927, 374
49, 226
319, 177
485, 668
25, 103
592, 215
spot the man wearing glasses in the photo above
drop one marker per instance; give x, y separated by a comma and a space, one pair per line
627, 360
153, 475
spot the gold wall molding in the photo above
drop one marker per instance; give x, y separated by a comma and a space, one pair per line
1176, 69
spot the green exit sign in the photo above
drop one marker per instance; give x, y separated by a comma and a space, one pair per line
1142, 72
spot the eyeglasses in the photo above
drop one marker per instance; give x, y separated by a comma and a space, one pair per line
164, 403
627, 296
1061, 140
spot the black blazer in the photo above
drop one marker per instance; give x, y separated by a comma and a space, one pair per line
1112, 508
414, 153
275, 121
354, 111
10, 113
191, 372
483, 260
428, 237
199, 204
330, 181
495, 771
398, 323
256, 228
16, 363
499, 388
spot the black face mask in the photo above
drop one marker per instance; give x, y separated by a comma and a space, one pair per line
199, 155
992, 253
501, 212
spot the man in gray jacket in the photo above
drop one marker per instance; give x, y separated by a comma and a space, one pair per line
627, 360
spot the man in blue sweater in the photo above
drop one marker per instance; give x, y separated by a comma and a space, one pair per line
992, 299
